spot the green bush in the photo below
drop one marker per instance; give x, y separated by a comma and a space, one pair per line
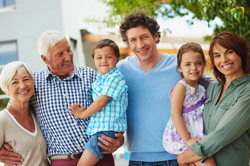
3, 102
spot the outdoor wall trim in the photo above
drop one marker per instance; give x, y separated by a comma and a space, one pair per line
4, 97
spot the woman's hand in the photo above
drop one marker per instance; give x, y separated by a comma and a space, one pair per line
180, 164
190, 141
187, 158
111, 144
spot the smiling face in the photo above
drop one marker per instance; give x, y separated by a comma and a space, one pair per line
60, 62
142, 43
192, 67
105, 59
21, 87
228, 62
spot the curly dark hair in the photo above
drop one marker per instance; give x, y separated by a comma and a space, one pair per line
232, 41
139, 19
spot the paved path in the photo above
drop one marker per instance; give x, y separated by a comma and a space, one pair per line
121, 162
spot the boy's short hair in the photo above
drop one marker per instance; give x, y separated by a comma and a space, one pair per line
105, 43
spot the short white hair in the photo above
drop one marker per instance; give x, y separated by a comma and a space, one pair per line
47, 40
10, 70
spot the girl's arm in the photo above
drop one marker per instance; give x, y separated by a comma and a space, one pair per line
96, 106
178, 96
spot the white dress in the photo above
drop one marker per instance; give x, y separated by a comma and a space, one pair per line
192, 108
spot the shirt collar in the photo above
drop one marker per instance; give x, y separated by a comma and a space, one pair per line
114, 70
240, 80
48, 73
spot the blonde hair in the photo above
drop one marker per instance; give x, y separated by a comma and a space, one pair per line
10, 70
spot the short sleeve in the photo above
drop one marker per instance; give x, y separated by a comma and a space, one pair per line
114, 86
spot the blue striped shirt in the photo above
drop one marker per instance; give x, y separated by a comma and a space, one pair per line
112, 117
64, 133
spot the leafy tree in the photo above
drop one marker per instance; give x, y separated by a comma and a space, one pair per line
3, 102
235, 14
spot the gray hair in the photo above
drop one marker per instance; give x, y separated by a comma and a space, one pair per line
10, 70
47, 40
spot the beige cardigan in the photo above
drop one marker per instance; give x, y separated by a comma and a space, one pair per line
31, 146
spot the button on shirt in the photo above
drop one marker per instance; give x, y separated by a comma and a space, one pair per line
64, 133
112, 117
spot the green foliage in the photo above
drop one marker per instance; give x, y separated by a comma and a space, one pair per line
3, 102
235, 14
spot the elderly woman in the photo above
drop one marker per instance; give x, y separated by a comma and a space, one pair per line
18, 124
227, 109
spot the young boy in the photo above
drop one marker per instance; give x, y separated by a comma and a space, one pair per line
107, 112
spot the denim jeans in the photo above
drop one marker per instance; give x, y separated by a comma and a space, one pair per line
160, 163
92, 146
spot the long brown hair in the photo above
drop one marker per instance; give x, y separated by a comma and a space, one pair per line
232, 41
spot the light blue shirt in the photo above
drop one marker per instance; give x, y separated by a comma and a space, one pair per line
149, 107
112, 117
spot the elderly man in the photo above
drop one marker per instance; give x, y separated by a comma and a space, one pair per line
59, 85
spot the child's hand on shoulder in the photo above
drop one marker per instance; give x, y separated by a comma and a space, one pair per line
76, 109
190, 141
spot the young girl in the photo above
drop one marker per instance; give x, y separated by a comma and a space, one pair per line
186, 124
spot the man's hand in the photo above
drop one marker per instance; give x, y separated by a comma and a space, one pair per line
111, 144
8, 157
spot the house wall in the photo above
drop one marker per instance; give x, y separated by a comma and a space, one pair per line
25, 24
30, 18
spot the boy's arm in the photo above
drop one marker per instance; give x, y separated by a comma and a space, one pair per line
96, 106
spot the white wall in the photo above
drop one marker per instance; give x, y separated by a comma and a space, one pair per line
30, 18
72, 16
26, 23
81, 9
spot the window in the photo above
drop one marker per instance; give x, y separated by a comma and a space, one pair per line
73, 46
8, 52
4, 4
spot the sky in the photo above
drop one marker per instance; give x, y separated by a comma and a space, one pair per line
177, 25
